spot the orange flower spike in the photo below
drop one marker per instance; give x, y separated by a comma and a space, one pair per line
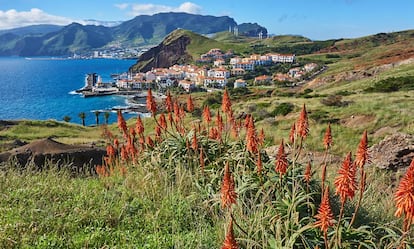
261, 137
170, 118
362, 153
308, 173
110, 151
206, 114
163, 121
228, 193
151, 105
132, 132
150, 142
194, 143
124, 153
281, 163
116, 143
226, 104
292, 133
327, 139
168, 102
139, 126
303, 124
324, 217
404, 196
251, 136
122, 124
158, 132
230, 242
190, 104
345, 182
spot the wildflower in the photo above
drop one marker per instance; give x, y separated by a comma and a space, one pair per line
230, 242
324, 218
194, 144
206, 114
226, 104
302, 123
251, 137
124, 153
158, 132
292, 133
110, 151
281, 162
168, 102
214, 134
308, 173
219, 122
327, 139
170, 118
101, 171
116, 143
132, 132
151, 105
121, 123
261, 137
150, 142
163, 121
404, 197
190, 104
228, 193
362, 152
345, 182
139, 126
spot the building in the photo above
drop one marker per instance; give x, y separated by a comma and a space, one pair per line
263, 79
187, 85
240, 83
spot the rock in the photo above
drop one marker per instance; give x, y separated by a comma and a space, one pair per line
50, 152
394, 152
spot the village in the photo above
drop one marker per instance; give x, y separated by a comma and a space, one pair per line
213, 70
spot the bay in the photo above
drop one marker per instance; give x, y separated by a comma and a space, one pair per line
42, 88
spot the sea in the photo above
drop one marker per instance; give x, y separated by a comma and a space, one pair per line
44, 88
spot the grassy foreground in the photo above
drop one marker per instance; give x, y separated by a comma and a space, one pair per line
191, 183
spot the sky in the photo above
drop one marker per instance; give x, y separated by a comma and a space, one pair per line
315, 19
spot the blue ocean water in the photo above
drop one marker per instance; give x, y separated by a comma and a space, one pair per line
41, 89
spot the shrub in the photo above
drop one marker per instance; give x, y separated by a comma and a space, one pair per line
283, 109
334, 100
392, 85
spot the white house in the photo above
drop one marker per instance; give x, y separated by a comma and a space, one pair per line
240, 83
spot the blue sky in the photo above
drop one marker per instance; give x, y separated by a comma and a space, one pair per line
317, 19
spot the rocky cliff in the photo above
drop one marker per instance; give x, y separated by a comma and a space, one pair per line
172, 50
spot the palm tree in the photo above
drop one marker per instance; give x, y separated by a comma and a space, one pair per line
67, 119
82, 116
106, 116
97, 117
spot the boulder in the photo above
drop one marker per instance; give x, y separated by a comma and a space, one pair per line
393, 152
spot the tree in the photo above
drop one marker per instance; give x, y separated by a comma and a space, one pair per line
97, 117
82, 116
106, 116
67, 119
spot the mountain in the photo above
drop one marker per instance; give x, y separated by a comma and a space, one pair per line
41, 29
141, 30
146, 29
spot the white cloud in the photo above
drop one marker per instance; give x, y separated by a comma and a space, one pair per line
13, 19
150, 9
122, 6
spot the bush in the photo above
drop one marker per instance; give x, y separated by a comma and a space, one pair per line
392, 85
334, 100
283, 109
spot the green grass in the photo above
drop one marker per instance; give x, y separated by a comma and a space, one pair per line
53, 210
